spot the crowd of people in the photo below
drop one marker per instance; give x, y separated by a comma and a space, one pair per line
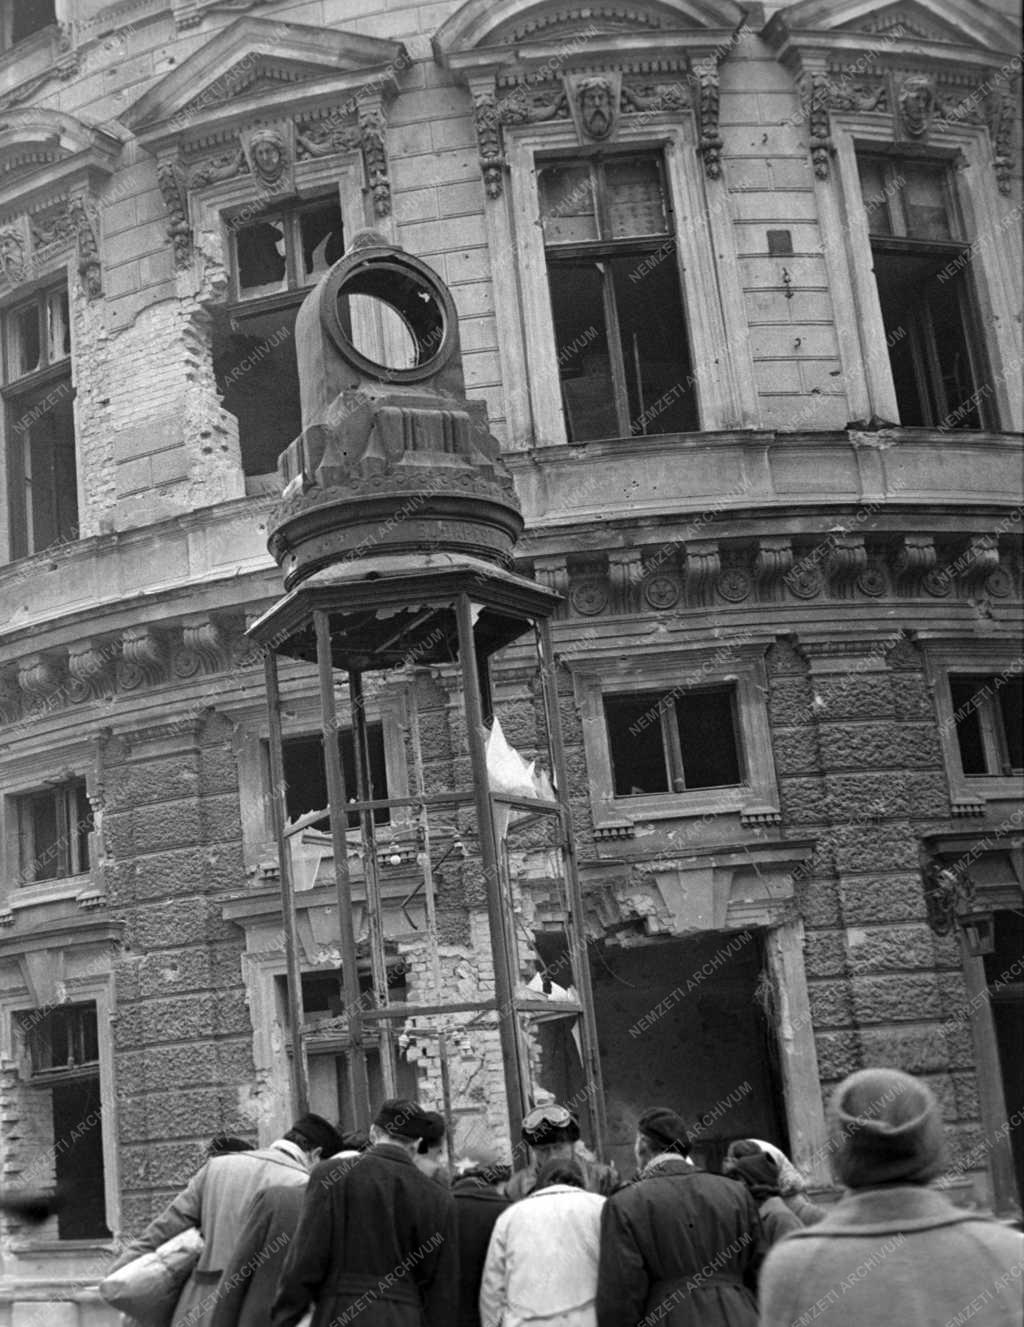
329, 1230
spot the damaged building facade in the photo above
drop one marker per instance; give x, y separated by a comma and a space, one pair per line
739, 287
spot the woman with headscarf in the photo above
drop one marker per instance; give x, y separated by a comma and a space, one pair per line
760, 1173
792, 1185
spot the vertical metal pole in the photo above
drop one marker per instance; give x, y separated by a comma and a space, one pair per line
371, 877
356, 1053
516, 1087
575, 922
299, 1070
430, 901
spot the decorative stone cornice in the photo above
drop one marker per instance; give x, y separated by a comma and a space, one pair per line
766, 571
204, 649
914, 558
39, 676
702, 568
142, 658
89, 666
772, 562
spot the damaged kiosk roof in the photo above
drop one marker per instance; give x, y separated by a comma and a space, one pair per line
386, 612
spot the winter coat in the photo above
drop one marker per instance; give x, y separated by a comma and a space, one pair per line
899, 1254
681, 1248
542, 1260
599, 1177
215, 1200
377, 1241
478, 1204
777, 1219
808, 1213
249, 1283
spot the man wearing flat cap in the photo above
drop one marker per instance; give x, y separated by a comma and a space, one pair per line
216, 1201
679, 1247
376, 1241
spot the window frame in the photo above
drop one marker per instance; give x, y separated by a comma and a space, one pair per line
709, 287
49, 376
757, 794
88, 979
969, 793
212, 208
847, 247
7, 43
64, 791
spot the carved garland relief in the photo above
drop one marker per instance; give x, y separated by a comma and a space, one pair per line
596, 104
916, 103
27, 242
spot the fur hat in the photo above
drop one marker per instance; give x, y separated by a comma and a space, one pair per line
886, 1129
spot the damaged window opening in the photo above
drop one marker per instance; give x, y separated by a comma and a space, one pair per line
325, 1043
616, 302
989, 715
276, 258
925, 289
39, 423
673, 742
54, 826
21, 18
306, 781
62, 1114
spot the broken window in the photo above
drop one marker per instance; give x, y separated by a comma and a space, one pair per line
673, 741
21, 18
925, 289
621, 335
276, 257
54, 825
40, 426
62, 1115
989, 715
306, 781
326, 1039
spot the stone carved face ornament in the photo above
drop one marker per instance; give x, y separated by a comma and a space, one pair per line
917, 104
267, 150
597, 111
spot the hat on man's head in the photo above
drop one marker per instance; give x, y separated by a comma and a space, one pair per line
665, 1129
433, 1131
403, 1119
317, 1132
886, 1129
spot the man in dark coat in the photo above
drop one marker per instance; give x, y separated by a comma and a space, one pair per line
376, 1241
478, 1204
679, 1247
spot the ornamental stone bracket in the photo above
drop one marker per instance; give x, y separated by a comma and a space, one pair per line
98, 669
170, 174
778, 568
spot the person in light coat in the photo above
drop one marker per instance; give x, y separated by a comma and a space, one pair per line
893, 1250
541, 1264
216, 1200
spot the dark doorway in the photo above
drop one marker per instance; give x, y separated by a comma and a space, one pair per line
1006, 993
680, 1024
